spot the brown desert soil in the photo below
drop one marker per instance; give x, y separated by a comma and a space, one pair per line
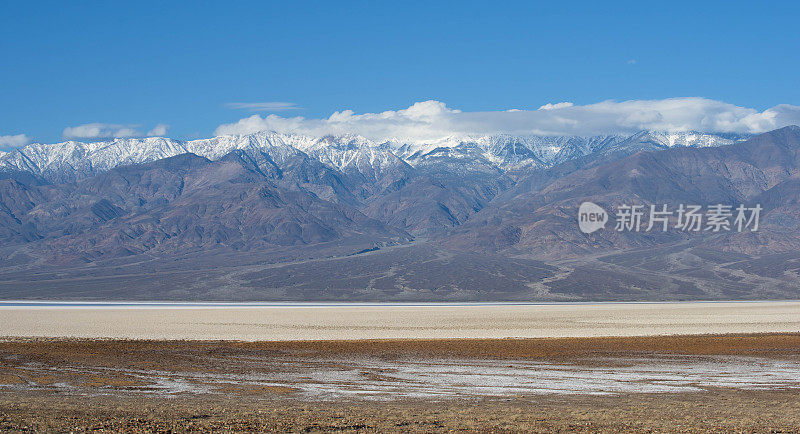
30, 367
714, 411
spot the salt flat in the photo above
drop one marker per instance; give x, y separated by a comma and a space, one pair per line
717, 383
253, 322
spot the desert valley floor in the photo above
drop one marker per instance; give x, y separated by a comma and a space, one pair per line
745, 383
653, 367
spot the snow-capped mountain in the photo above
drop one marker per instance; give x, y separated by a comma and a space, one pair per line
354, 155
351, 154
72, 160
277, 216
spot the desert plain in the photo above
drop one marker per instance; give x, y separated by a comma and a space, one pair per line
688, 367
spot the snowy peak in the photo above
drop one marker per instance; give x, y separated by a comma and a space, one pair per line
354, 154
351, 154
655, 140
507, 152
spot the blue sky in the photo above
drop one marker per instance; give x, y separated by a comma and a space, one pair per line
139, 64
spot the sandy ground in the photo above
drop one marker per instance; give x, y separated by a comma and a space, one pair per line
713, 412
711, 383
310, 369
393, 321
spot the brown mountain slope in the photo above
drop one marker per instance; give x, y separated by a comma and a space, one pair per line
543, 222
180, 204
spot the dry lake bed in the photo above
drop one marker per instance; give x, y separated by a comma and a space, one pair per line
612, 367
255, 322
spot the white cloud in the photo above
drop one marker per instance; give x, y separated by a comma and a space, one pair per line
432, 120
271, 106
98, 130
158, 130
13, 141
558, 105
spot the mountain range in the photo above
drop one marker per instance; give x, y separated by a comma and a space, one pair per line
273, 216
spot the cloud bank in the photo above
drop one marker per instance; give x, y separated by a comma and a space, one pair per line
97, 130
13, 141
432, 120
